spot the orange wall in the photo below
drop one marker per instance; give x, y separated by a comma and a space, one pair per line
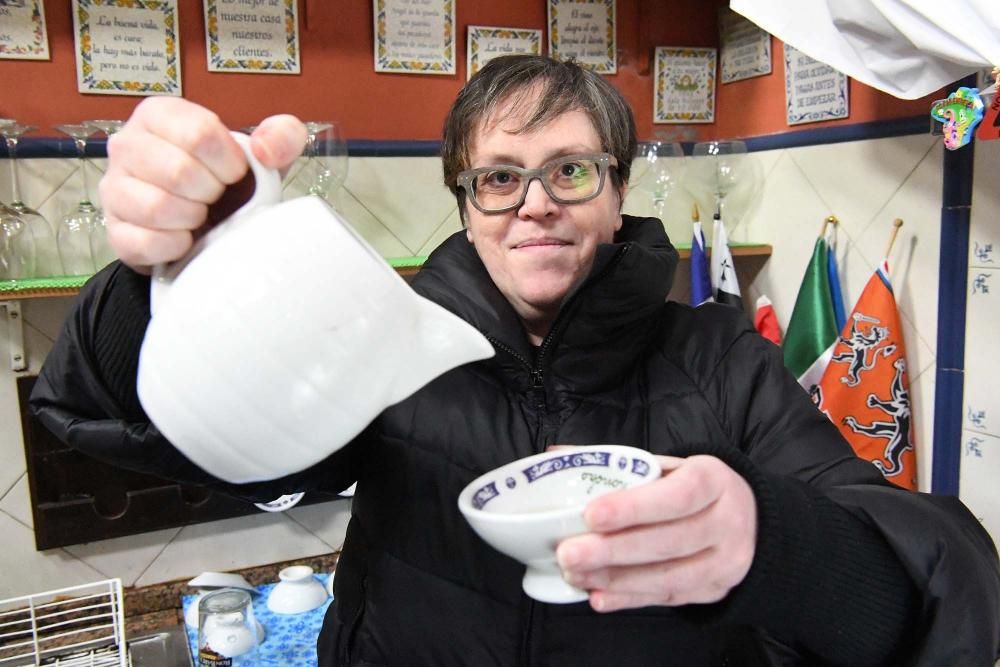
338, 81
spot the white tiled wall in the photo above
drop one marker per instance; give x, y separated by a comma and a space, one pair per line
980, 460
400, 205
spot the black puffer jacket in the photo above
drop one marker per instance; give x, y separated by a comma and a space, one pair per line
848, 569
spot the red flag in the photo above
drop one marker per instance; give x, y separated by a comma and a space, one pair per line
766, 322
865, 390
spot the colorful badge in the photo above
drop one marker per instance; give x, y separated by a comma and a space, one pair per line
960, 113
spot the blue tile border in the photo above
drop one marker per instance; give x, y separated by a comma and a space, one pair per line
44, 147
953, 269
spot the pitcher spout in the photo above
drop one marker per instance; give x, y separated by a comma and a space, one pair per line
440, 341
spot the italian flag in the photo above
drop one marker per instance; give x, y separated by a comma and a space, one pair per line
812, 330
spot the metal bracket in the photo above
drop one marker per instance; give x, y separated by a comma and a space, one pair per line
15, 327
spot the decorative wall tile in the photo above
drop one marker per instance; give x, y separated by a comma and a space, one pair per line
981, 398
980, 462
984, 236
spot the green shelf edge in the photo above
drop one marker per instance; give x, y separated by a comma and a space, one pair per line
76, 282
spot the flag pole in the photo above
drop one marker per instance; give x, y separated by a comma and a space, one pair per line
694, 213
830, 220
896, 224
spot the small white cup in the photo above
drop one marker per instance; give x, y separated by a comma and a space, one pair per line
297, 591
526, 507
282, 335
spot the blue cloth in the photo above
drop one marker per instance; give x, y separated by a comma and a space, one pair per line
836, 295
289, 639
701, 284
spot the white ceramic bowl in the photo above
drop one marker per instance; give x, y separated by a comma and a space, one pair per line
298, 591
526, 507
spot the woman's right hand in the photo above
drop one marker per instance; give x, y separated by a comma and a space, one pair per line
170, 161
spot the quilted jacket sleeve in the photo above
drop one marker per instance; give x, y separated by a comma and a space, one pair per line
85, 394
831, 514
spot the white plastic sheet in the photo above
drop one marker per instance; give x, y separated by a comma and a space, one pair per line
907, 48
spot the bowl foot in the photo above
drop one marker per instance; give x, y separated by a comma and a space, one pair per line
549, 586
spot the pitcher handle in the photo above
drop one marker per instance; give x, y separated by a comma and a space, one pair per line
267, 191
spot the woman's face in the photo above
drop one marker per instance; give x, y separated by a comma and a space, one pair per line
538, 252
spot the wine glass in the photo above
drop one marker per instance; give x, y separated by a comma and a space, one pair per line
74, 230
46, 254
329, 149
664, 167
307, 180
325, 167
724, 178
100, 249
17, 246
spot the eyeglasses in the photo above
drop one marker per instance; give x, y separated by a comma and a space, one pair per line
572, 179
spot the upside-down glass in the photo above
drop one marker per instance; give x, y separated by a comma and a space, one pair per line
46, 254
571, 179
227, 629
723, 178
324, 168
17, 246
329, 148
74, 230
16, 242
100, 249
664, 168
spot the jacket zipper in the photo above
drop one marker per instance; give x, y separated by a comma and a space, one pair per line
538, 389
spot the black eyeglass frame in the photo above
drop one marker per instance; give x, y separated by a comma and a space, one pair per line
603, 160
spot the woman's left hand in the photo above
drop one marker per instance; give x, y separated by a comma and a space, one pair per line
689, 537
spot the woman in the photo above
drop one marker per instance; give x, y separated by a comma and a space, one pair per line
765, 540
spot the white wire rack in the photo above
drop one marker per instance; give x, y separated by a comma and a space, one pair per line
79, 626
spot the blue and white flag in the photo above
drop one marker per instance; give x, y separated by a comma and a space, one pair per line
701, 285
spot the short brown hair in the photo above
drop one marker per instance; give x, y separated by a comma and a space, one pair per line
553, 87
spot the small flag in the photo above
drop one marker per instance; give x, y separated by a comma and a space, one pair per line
701, 286
766, 322
865, 389
812, 329
725, 285
836, 295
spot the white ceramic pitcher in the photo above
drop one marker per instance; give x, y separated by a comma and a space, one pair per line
282, 334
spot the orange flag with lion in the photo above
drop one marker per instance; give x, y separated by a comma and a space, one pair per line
865, 390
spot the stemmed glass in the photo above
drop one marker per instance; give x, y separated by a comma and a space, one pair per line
100, 249
17, 248
724, 178
665, 165
74, 231
329, 151
325, 167
46, 254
